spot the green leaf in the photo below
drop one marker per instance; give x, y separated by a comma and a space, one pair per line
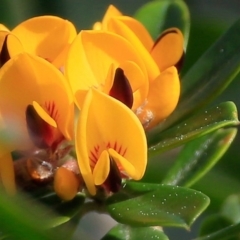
64, 210
199, 156
22, 221
213, 223
225, 114
224, 234
122, 232
164, 14
231, 208
157, 205
209, 76
27, 213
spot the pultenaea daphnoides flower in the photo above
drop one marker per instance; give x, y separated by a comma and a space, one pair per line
37, 113
110, 143
120, 51
48, 37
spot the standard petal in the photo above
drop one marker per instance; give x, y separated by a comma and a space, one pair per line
90, 57
3, 34
163, 97
46, 36
4, 28
25, 79
139, 30
112, 11
106, 124
168, 49
116, 25
11, 46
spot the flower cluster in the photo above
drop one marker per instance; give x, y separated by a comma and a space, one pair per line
121, 81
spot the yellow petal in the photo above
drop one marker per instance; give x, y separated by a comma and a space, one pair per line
4, 28
44, 115
139, 30
106, 123
90, 57
138, 81
3, 34
118, 26
168, 49
65, 184
26, 78
14, 46
81, 146
46, 36
125, 164
112, 11
163, 97
102, 168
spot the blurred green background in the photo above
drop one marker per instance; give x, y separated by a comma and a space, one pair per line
209, 19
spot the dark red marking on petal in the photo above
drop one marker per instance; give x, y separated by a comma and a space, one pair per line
115, 146
50, 107
4, 54
114, 179
93, 156
120, 149
39, 131
124, 152
121, 89
96, 148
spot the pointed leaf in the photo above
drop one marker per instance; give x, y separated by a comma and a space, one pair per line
214, 223
122, 232
164, 14
199, 156
21, 220
64, 210
210, 75
231, 208
157, 205
224, 234
225, 114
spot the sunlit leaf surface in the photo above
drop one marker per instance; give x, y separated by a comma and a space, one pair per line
225, 114
157, 205
199, 156
123, 232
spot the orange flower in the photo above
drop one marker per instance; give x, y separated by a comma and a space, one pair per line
36, 107
110, 143
48, 37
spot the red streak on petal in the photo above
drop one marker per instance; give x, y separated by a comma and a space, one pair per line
115, 146
124, 152
50, 107
120, 149
93, 156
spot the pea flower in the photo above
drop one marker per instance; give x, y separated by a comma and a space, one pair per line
48, 37
36, 107
93, 60
110, 143
159, 56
